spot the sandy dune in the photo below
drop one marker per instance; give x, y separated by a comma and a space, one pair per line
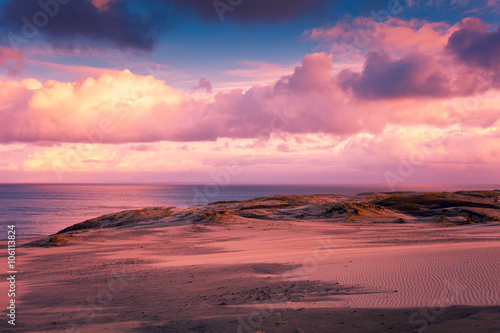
399, 262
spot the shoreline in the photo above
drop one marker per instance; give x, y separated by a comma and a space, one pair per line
361, 263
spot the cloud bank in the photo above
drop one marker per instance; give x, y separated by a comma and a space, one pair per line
123, 107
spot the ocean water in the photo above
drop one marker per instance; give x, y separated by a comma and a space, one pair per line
39, 209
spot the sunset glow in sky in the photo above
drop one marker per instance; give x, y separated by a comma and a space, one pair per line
294, 91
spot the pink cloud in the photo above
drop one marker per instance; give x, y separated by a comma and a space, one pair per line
11, 60
491, 6
314, 74
121, 107
356, 37
112, 108
436, 155
102, 4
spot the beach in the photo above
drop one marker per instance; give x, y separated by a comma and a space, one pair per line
373, 262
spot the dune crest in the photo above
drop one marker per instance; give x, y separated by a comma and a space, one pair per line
464, 207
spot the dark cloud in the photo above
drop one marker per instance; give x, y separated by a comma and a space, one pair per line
475, 45
323, 11
250, 11
384, 77
203, 84
65, 23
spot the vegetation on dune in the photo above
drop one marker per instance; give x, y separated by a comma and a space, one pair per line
447, 208
58, 240
122, 218
265, 206
415, 203
88, 224
214, 216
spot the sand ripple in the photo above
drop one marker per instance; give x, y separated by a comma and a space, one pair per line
415, 276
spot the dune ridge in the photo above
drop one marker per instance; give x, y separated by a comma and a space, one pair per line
459, 207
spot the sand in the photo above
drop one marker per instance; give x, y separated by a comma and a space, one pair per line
404, 262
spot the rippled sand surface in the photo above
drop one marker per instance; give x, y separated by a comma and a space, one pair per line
402, 262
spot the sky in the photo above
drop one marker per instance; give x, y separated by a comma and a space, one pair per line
232, 91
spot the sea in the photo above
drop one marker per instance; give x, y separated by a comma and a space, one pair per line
43, 209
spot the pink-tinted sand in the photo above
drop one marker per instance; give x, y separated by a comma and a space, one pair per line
181, 274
